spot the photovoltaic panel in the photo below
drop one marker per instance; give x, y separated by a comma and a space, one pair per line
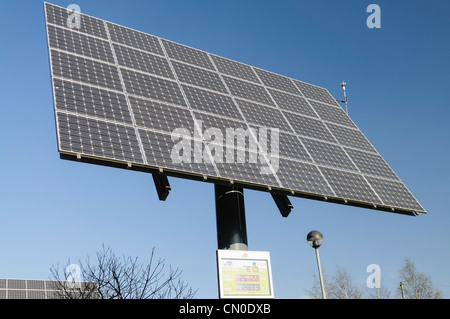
188, 55
158, 116
276, 81
292, 103
142, 61
77, 43
83, 135
332, 114
158, 147
138, 40
129, 99
91, 101
46, 289
58, 16
235, 69
263, 116
92, 72
328, 154
248, 91
211, 102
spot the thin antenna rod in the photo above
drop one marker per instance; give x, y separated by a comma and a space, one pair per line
343, 84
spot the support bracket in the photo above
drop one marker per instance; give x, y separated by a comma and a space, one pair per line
283, 204
162, 186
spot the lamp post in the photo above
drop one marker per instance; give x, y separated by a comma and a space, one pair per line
315, 239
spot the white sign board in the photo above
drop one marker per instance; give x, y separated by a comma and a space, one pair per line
244, 274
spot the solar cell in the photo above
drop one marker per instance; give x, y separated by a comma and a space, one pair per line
87, 71
134, 39
328, 154
198, 77
372, 164
77, 43
276, 81
349, 185
82, 135
308, 177
91, 101
152, 87
211, 102
122, 96
292, 148
235, 69
186, 54
292, 103
315, 93
350, 137
158, 116
263, 116
332, 114
395, 194
142, 61
309, 127
59, 16
247, 90
158, 150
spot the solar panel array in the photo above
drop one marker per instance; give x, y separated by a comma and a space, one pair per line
44, 289
119, 94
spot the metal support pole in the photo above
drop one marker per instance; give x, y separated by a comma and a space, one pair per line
322, 284
230, 217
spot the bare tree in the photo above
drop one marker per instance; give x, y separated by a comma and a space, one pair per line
343, 286
416, 285
378, 293
124, 278
63, 286
339, 286
316, 291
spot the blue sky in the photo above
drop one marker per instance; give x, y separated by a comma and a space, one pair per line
397, 84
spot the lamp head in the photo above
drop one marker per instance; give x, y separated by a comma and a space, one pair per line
314, 238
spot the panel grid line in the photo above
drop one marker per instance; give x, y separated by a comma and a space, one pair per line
114, 64
206, 112
90, 117
119, 92
298, 138
359, 171
196, 124
130, 109
246, 122
193, 85
76, 31
143, 33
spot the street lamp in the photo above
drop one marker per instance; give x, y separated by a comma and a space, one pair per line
315, 239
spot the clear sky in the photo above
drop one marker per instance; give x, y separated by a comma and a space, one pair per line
398, 81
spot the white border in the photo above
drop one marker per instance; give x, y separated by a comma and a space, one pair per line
243, 255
